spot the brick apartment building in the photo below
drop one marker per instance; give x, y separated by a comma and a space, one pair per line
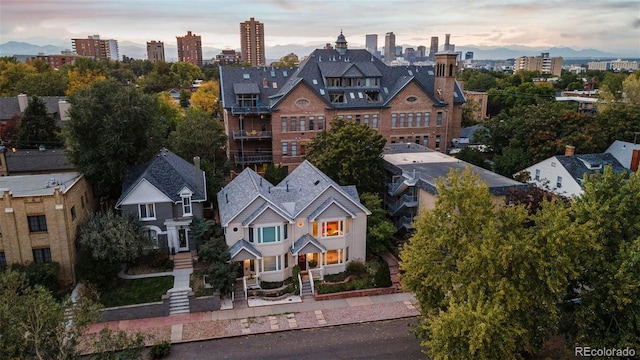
190, 49
271, 113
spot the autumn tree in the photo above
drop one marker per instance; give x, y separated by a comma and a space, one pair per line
186, 73
37, 127
111, 127
489, 287
350, 154
289, 60
48, 83
11, 73
199, 134
206, 97
83, 73
608, 313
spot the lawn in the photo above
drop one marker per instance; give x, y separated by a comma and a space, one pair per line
137, 291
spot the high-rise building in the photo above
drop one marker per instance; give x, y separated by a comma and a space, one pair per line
389, 47
543, 64
434, 48
96, 48
447, 45
372, 43
190, 49
155, 51
468, 55
252, 42
421, 53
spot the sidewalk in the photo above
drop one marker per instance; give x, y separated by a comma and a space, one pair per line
244, 320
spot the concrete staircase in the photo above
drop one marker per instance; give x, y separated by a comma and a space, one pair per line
238, 292
179, 301
307, 291
182, 261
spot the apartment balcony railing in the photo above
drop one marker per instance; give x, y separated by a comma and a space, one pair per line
404, 222
252, 159
401, 182
405, 201
251, 135
249, 110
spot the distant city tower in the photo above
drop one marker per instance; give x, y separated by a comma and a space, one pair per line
252, 42
389, 47
341, 44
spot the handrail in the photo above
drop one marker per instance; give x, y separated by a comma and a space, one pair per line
311, 282
244, 283
300, 283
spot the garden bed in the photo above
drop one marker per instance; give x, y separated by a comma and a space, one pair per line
153, 262
197, 284
136, 291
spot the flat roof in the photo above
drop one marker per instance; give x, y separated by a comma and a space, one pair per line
429, 165
38, 185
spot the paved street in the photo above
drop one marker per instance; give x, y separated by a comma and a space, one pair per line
389, 339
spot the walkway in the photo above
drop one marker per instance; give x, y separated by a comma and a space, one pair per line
243, 320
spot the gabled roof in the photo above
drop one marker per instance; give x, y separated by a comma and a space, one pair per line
324, 63
169, 173
242, 244
289, 198
623, 151
10, 106
307, 243
586, 164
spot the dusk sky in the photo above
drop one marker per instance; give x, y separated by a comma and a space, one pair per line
607, 25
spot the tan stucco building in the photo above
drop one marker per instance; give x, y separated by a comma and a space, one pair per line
39, 218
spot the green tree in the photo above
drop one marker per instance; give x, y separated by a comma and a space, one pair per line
48, 83
37, 126
473, 156
275, 173
11, 73
111, 127
222, 272
37, 326
199, 134
481, 81
490, 280
160, 79
380, 229
350, 154
186, 73
290, 60
609, 312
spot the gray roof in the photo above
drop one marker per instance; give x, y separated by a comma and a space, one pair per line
586, 164
305, 240
470, 131
35, 161
10, 107
622, 151
290, 197
243, 244
38, 185
169, 173
431, 165
328, 63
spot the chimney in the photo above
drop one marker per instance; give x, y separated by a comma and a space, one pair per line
569, 150
23, 102
635, 160
63, 109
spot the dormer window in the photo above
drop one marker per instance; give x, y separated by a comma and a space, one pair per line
186, 206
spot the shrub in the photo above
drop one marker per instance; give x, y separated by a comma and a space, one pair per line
271, 284
160, 350
382, 276
45, 274
356, 268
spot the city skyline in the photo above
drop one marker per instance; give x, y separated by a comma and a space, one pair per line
608, 26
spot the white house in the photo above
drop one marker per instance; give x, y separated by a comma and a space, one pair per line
628, 154
564, 174
306, 220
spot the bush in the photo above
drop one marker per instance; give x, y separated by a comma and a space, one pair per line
382, 276
101, 273
356, 268
271, 284
160, 350
45, 274
356, 284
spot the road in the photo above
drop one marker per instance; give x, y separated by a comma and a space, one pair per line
376, 340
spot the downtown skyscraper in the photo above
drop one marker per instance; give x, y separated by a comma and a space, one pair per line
252, 42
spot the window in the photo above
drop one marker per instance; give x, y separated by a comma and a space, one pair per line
37, 223
271, 263
418, 140
73, 213
337, 98
332, 228
284, 124
186, 205
410, 120
437, 141
250, 234
311, 122
3, 260
439, 119
418, 119
559, 182
426, 118
303, 124
268, 234
538, 174
293, 123
425, 141
294, 148
333, 257
320, 122
153, 236
303, 147
147, 211
42, 255
402, 116
366, 119
375, 121
394, 120
285, 148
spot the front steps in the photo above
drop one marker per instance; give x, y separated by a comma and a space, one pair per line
178, 301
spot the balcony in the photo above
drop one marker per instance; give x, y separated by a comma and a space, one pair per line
251, 135
401, 182
252, 159
405, 201
249, 110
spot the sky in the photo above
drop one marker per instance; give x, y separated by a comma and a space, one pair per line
608, 25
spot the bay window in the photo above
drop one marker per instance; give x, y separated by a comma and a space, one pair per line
272, 263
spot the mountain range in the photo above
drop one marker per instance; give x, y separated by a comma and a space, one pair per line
138, 51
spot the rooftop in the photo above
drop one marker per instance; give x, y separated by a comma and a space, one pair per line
38, 185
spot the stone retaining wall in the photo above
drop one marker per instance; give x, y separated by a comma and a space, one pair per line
355, 293
141, 311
